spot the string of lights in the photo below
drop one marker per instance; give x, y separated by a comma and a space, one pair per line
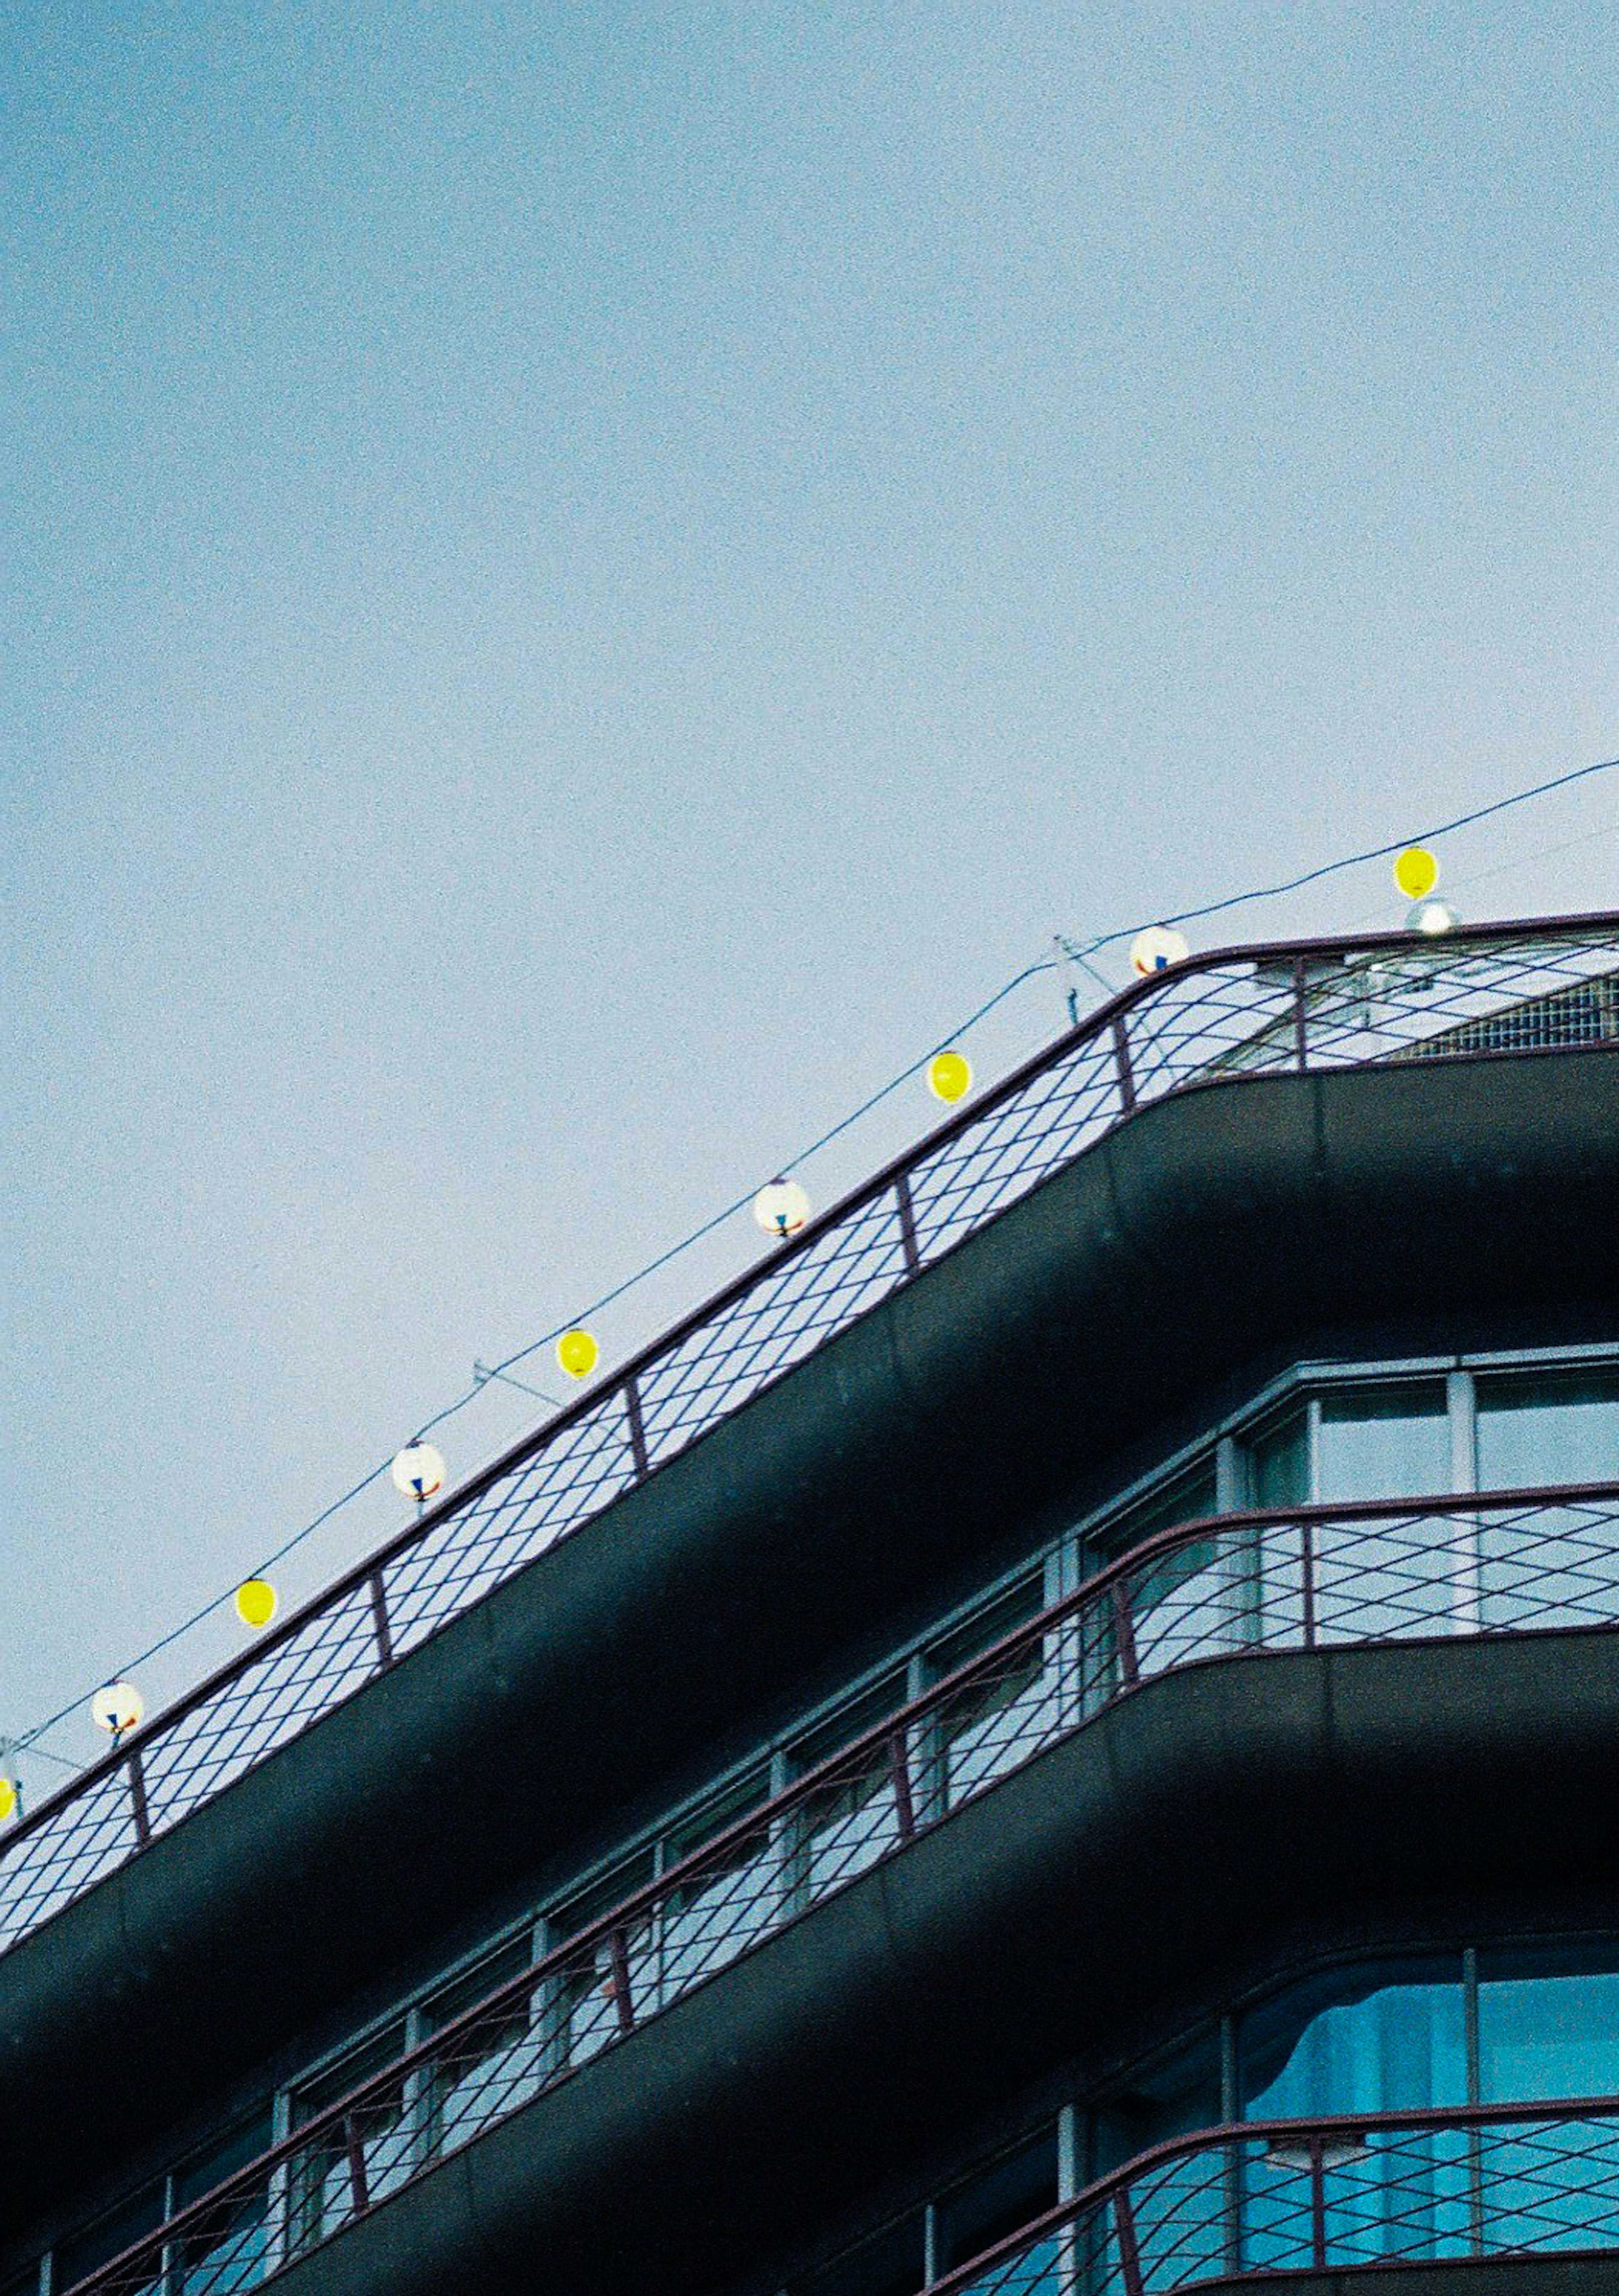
949, 1076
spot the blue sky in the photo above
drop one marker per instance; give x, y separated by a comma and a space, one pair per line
578, 583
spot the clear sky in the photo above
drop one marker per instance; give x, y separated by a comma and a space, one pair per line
580, 582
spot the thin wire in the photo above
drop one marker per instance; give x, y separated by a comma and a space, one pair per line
1356, 860
608, 1299
1078, 953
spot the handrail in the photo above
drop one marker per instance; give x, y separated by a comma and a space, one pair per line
1163, 1034
1261, 1582
1315, 2138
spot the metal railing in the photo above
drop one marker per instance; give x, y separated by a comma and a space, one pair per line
1234, 1012
1263, 2199
1231, 1587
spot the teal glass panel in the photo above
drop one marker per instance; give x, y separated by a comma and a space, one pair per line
1556, 1428
1399, 2044
1278, 1463
892, 2262
1385, 1442
997, 2201
1547, 2034
1405, 1576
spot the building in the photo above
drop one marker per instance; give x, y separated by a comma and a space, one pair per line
1059, 1736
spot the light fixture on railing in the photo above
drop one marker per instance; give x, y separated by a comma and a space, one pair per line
949, 1077
1415, 872
256, 1601
1432, 918
418, 1471
117, 1707
578, 1352
8, 1798
1157, 948
781, 1208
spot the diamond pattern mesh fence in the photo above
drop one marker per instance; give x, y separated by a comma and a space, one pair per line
1214, 1021
1235, 1587
1474, 2184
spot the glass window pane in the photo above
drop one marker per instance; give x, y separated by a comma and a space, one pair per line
109, 2236
1187, 1499
1399, 2045
354, 2161
1547, 2036
1554, 1427
891, 2263
995, 1723
231, 2248
1279, 1461
490, 2066
586, 1996
735, 1896
1547, 2032
997, 2200
1385, 1442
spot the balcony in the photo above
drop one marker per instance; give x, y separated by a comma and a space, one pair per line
1311, 1009
1240, 1599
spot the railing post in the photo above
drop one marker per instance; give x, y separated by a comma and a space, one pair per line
637, 1428
1232, 2183
1307, 1589
1130, 2253
907, 1223
1318, 2204
379, 1620
617, 1957
355, 2147
1300, 1043
1124, 1634
137, 1797
905, 1806
1126, 1074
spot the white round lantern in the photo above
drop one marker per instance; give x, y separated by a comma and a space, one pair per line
781, 1209
1431, 917
117, 1707
1157, 948
418, 1471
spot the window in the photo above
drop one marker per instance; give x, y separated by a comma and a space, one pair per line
1554, 1427
1398, 2039
1547, 2030
996, 2201
118, 2230
1279, 1461
352, 2162
613, 1978
1387, 1441
997, 1722
230, 2248
490, 2066
893, 2263
854, 1819
737, 1896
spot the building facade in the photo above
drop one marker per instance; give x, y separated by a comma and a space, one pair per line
1056, 1739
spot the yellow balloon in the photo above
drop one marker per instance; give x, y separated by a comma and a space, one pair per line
578, 1353
256, 1601
949, 1076
1415, 872
8, 1800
